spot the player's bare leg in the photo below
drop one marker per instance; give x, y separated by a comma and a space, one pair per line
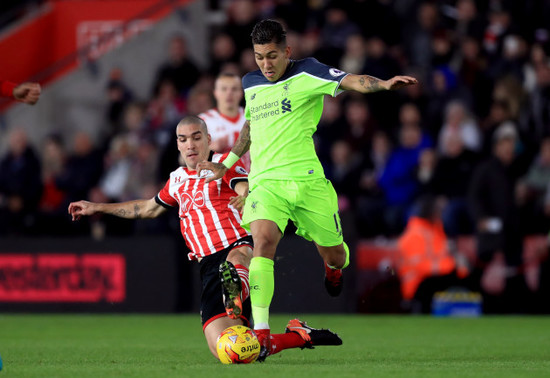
240, 256
336, 258
215, 327
266, 235
235, 281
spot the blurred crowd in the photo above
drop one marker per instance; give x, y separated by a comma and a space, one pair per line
13, 10
474, 134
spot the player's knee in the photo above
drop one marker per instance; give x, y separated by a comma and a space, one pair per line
336, 262
240, 256
336, 258
265, 246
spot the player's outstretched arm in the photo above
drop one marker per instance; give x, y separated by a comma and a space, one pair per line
369, 84
239, 149
28, 93
130, 210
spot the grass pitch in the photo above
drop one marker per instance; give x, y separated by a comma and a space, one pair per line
374, 346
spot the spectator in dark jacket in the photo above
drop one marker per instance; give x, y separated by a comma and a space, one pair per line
179, 69
398, 181
450, 183
492, 201
83, 169
20, 185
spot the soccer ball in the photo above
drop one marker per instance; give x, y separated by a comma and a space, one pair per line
238, 345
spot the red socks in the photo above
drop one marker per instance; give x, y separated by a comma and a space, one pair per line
282, 341
243, 274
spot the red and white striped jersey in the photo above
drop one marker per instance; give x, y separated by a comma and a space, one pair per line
208, 224
221, 126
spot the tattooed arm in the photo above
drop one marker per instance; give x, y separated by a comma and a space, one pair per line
368, 84
243, 141
241, 146
130, 210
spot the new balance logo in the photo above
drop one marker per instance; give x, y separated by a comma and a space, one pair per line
286, 105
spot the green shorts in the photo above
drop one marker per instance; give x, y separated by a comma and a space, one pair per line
312, 205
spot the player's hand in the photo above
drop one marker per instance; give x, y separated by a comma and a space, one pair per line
218, 169
397, 82
28, 93
80, 208
237, 202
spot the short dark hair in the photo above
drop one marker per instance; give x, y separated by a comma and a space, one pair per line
194, 120
268, 31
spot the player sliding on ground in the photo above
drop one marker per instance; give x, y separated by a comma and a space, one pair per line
284, 102
210, 224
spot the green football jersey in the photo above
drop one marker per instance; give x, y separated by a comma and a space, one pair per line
283, 117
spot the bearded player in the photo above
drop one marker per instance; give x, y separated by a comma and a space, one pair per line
210, 224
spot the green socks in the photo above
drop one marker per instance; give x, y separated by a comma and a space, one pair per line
262, 286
